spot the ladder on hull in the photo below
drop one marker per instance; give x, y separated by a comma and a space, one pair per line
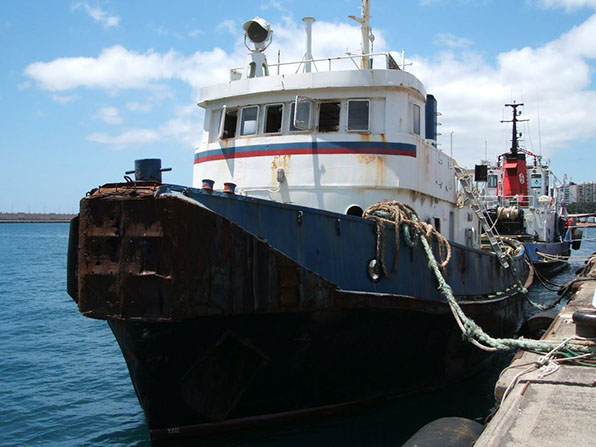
480, 210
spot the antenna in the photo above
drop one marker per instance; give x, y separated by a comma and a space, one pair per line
514, 135
367, 36
539, 137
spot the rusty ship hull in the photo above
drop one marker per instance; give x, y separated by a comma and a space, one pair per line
232, 311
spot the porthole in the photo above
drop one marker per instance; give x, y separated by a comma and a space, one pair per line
354, 210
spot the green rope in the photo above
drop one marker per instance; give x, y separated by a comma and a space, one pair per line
470, 330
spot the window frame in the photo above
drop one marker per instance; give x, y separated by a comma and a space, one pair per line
536, 177
367, 130
222, 118
489, 181
283, 112
292, 119
419, 119
241, 123
318, 120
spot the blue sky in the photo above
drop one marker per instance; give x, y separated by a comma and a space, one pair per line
90, 86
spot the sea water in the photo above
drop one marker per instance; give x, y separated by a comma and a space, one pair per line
63, 380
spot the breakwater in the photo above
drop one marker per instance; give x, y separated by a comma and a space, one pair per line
35, 217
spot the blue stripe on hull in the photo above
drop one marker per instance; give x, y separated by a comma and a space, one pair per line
305, 148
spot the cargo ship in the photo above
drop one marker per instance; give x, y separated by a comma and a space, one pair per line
274, 288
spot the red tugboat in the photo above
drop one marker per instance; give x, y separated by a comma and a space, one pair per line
523, 202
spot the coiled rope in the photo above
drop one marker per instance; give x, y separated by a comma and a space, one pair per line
404, 216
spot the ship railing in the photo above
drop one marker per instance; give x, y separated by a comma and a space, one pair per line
517, 201
326, 63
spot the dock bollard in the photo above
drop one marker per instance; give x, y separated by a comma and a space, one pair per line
208, 184
229, 188
585, 323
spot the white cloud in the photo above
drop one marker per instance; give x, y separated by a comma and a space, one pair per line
64, 99
129, 138
24, 85
160, 30
138, 106
229, 26
102, 17
158, 93
109, 115
118, 68
554, 80
452, 41
568, 5
185, 128
272, 4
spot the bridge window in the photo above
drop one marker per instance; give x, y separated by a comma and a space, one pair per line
273, 118
248, 124
416, 119
358, 114
303, 119
492, 181
536, 181
329, 116
227, 126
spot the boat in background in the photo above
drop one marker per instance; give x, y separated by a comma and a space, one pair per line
523, 203
278, 298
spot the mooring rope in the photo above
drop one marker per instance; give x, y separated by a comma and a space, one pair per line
402, 215
560, 258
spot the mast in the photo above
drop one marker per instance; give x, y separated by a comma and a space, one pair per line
366, 33
308, 21
514, 135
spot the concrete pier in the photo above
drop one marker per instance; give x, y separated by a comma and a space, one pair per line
542, 409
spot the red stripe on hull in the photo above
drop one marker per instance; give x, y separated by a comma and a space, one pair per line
306, 151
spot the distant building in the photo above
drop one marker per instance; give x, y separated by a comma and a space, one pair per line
583, 192
586, 192
569, 192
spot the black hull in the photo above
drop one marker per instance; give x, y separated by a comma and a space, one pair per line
213, 373
232, 311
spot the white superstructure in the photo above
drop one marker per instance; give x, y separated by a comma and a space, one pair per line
359, 137
539, 206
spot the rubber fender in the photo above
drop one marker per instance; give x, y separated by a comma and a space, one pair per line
451, 431
576, 235
72, 259
537, 323
585, 323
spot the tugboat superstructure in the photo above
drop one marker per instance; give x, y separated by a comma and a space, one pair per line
362, 136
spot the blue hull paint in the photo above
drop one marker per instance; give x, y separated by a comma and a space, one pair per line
339, 248
551, 248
